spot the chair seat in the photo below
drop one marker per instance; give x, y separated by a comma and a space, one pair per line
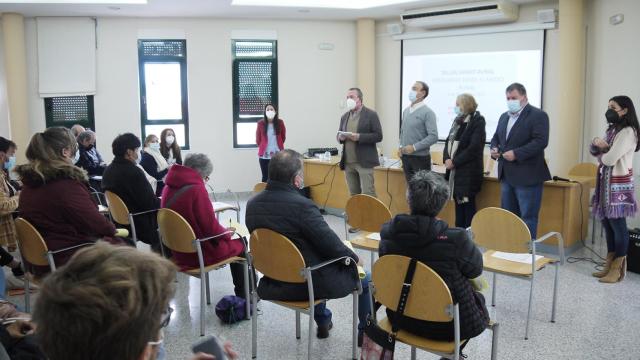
507, 267
445, 347
364, 243
196, 271
303, 305
221, 206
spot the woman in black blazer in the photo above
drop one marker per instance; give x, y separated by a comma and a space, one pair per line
464, 158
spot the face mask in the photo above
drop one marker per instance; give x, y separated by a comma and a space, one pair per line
270, 114
413, 95
612, 116
457, 110
76, 157
154, 146
90, 146
301, 183
10, 162
170, 139
139, 153
513, 105
351, 104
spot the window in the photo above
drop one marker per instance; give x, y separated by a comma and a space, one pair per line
69, 110
162, 66
255, 84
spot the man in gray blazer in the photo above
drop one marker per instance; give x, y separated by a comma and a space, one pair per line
359, 132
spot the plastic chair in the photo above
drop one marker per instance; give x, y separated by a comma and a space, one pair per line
121, 215
278, 258
584, 169
429, 300
177, 235
366, 213
34, 250
513, 237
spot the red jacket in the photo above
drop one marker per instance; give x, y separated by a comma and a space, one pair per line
195, 206
262, 140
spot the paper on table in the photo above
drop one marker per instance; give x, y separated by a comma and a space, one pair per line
517, 257
374, 236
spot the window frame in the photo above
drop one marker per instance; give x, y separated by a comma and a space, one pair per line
237, 60
89, 123
164, 59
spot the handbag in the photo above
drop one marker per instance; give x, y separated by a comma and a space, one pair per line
378, 344
231, 309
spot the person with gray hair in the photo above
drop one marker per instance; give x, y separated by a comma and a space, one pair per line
90, 159
450, 252
185, 193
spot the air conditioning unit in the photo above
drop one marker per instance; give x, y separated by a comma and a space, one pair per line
477, 13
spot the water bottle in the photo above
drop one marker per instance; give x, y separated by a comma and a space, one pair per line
327, 156
381, 159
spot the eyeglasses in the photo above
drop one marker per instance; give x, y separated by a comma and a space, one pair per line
166, 317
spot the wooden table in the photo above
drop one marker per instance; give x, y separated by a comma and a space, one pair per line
565, 206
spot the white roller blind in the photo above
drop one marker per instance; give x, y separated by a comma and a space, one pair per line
66, 56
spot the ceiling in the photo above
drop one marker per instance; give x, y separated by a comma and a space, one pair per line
220, 9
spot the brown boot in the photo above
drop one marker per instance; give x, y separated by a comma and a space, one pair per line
607, 266
615, 272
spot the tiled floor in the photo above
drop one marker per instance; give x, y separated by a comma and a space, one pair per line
594, 321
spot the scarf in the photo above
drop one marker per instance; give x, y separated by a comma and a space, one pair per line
453, 147
161, 162
614, 196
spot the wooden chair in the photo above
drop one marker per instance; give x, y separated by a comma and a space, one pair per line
177, 235
437, 157
34, 250
278, 258
259, 187
120, 214
584, 169
366, 213
429, 300
496, 229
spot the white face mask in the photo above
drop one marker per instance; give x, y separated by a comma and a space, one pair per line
170, 139
270, 114
76, 157
154, 146
351, 104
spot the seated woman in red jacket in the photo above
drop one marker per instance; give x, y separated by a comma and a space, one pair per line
55, 197
186, 194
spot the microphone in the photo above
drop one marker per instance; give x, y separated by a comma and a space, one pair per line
558, 178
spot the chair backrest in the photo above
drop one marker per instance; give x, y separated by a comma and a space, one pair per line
32, 245
117, 208
366, 213
175, 231
259, 187
584, 169
429, 297
499, 229
437, 157
276, 256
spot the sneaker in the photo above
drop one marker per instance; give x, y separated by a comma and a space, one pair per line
323, 330
353, 230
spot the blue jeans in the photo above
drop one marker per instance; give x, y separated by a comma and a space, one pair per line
523, 201
617, 235
322, 315
3, 286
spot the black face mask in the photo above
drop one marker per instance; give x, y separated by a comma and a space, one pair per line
612, 116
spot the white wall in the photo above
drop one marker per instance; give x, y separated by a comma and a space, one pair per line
5, 130
311, 84
612, 67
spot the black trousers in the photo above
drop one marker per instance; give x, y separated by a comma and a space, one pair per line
412, 164
264, 167
465, 212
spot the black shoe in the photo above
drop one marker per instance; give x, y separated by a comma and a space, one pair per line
360, 338
17, 271
323, 330
353, 230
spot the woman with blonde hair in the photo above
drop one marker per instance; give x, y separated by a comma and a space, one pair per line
153, 162
464, 158
55, 197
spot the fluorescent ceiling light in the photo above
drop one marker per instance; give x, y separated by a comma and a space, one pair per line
331, 4
89, 2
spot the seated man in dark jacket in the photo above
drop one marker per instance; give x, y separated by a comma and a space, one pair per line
448, 251
282, 209
128, 181
90, 158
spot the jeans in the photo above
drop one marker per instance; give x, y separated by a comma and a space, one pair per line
322, 315
412, 164
264, 168
465, 212
523, 201
617, 235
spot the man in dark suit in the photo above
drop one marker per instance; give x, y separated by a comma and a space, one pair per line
518, 145
359, 152
283, 209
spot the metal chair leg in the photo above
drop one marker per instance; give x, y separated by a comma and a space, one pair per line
206, 276
493, 290
494, 341
354, 340
526, 333
310, 346
413, 353
373, 258
247, 285
202, 300
27, 294
254, 325
298, 325
555, 294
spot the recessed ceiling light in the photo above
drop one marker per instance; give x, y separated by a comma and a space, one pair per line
90, 2
304, 11
332, 4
